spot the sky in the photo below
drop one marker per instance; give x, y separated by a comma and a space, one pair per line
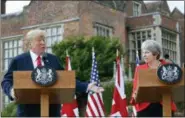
15, 6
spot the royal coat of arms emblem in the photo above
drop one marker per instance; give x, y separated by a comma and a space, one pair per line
44, 76
169, 73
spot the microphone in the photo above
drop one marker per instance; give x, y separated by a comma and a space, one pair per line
167, 58
44, 58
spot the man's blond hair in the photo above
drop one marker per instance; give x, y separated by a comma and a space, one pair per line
33, 33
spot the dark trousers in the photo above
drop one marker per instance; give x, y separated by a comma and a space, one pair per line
153, 110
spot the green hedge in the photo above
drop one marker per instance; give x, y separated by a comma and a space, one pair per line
10, 110
80, 51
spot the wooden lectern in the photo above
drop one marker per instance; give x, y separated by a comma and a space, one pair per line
151, 89
28, 92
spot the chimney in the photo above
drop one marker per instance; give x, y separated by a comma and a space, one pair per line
3, 6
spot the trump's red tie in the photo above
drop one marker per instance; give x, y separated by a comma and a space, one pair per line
39, 61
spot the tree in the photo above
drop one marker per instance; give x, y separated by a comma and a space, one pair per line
80, 51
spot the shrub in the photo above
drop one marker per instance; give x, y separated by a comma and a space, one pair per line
10, 110
80, 51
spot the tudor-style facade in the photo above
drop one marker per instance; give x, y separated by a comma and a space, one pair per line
66, 18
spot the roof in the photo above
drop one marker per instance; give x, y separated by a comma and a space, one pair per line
11, 14
153, 6
177, 11
117, 4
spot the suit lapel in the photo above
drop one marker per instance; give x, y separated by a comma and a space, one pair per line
29, 61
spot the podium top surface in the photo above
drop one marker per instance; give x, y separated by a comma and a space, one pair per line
28, 92
150, 88
22, 80
149, 78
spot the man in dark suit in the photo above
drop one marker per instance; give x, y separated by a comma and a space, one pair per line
29, 61
167, 58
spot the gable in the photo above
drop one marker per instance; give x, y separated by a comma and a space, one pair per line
165, 8
152, 6
158, 6
177, 14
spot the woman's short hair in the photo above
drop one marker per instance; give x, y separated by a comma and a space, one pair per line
33, 33
152, 46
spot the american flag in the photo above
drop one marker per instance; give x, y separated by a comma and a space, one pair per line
134, 114
119, 102
95, 105
69, 109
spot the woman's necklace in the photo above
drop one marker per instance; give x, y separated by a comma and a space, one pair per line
155, 66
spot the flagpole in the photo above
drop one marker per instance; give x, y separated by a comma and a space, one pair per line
92, 49
130, 72
117, 53
114, 71
123, 68
137, 54
122, 64
137, 58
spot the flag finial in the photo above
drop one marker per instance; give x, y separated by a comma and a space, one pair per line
92, 49
117, 53
137, 52
67, 53
122, 56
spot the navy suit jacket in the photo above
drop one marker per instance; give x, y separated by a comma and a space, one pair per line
23, 62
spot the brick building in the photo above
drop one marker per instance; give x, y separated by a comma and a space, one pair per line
65, 19
177, 15
131, 21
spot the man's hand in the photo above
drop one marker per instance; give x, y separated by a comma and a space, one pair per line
92, 87
12, 93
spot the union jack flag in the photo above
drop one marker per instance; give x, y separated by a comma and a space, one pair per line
119, 102
69, 109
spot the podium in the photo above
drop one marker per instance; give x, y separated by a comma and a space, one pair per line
151, 89
28, 92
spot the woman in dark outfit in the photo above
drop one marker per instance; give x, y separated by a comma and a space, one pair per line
151, 52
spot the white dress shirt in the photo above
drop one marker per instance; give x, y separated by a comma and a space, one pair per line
34, 59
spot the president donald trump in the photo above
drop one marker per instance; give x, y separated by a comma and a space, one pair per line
27, 62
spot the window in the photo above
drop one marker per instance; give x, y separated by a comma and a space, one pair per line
169, 44
11, 48
6, 101
54, 35
135, 43
136, 9
103, 30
